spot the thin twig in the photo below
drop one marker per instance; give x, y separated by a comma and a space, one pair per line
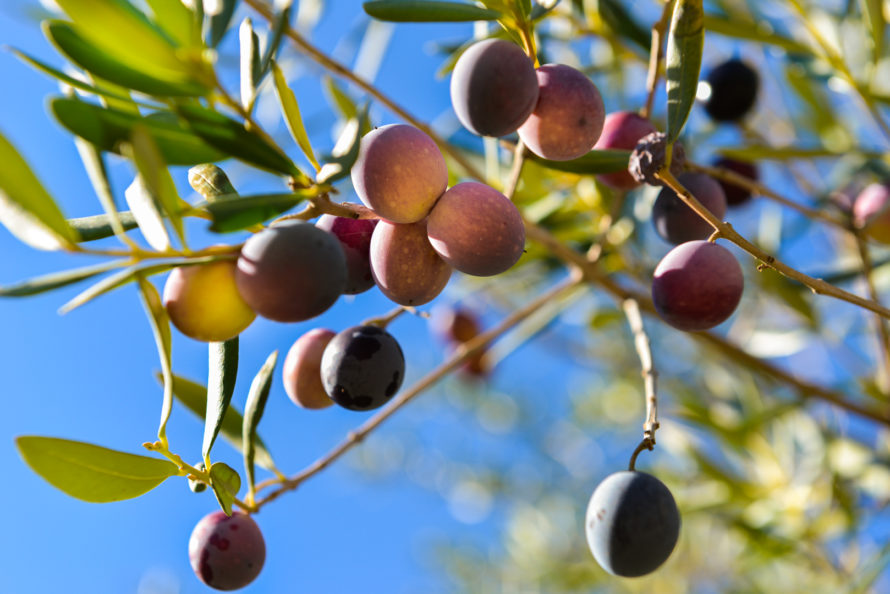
725, 230
462, 354
656, 53
755, 187
881, 333
641, 342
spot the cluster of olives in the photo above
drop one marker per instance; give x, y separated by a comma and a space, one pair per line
496, 90
294, 271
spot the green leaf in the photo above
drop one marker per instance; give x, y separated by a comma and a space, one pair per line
160, 326
291, 111
68, 80
177, 21
225, 483
108, 128
211, 182
345, 152
622, 22
57, 280
234, 139
873, 15
145, 210
94, 165
235, 215
685, 45
90, 472
250, 63
107, 65
223, 370
194, 396
417, 11
253, 412
26, 208
128, 275
116, 28
280, 25
158, 181
339, 99
219, 22
100, 226
761, 32
597, 161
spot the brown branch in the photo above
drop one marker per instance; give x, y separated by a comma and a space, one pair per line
881, 333
757, 188
462, 354
725, 230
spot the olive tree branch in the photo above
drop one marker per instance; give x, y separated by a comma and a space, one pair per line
757, 188
881, 333
462, 354
805, 389
725, 230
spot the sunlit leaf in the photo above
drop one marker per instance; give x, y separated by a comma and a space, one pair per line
423, 11
219, 22
253, 412
223, 371
235, 215
279, 25
94, 164
597, 161
64, 78
873, 15
177, 21
291, 111
225, 483
194, 396
107, 65
107, 128
682, 63
57, 280
160, 327
787, 153
345, 151
250, 63
154, 173
115, 27
234, 139
26, 208
90, 472
145, 210
100, 226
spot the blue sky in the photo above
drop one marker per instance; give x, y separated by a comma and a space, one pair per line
89, 376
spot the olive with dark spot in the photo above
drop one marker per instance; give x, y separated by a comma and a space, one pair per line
632, 523
227, 552
362, 367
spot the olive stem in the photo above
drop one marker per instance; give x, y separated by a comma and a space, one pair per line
644, 351
656, 53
